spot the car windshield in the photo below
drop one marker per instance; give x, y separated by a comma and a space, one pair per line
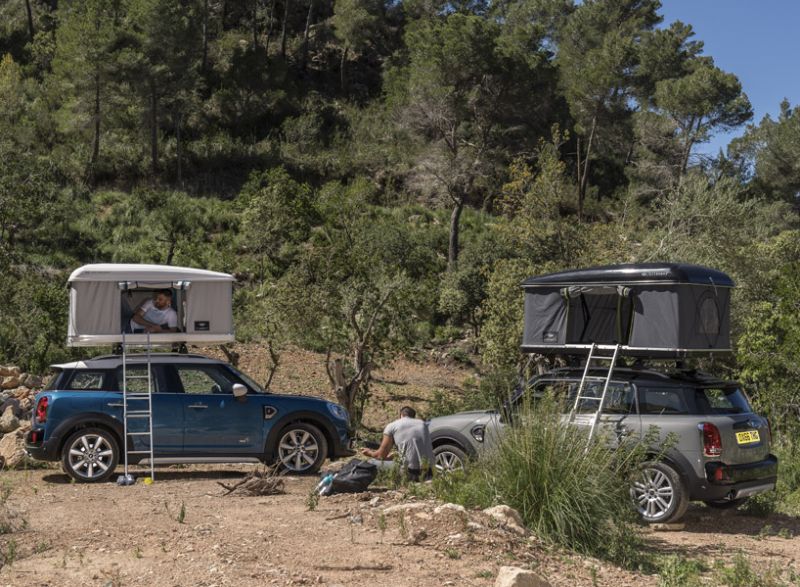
721, 400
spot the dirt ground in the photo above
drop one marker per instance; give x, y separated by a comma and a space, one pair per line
183, 530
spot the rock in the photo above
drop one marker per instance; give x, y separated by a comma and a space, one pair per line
474, 526
374, 501
11, 403
516, 577
31, 380
418, 536
12, 447
448, 508
5, 371
508, 517
404, 507
9, 382
15, 371
8, 421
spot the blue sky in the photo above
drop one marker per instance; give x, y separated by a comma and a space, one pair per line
757, 41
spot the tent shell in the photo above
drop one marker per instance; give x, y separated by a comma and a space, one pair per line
102, 297
656, 310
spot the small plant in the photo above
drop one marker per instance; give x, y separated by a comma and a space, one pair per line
42, 546
10, 553
181, 515
382, 525
403, 527
484, 574
452, 553
676, 571
739, 574
137, 552
312, 500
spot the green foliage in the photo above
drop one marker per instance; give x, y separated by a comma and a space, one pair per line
566, 494
676, 571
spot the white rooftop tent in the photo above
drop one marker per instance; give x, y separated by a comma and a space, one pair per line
103, 297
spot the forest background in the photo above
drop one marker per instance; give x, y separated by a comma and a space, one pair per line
380, 176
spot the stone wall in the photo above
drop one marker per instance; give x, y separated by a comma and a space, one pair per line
17, 390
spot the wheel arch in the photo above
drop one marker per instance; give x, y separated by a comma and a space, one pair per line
304, 417
89, 420
441, 437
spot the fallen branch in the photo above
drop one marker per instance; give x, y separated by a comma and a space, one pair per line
379, 567
259, 482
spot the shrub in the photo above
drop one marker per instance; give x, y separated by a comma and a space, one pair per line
566, 493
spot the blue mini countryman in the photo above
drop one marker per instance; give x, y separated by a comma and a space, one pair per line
203, 411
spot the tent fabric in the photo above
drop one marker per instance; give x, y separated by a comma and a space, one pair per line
103, 297
648, 319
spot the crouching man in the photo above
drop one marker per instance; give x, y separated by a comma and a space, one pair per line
414, 448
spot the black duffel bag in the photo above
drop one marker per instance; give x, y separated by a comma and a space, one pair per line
354, 477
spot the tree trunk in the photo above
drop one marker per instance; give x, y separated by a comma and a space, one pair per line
96, 138
204, 58
153, 126
304, 58
178, 147
255, 25
452, 248
584, 175
270, 25
31, 32
283, 28
342, 76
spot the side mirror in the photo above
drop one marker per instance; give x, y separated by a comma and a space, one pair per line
239, 390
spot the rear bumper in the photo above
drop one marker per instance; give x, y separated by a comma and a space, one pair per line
740, 481
39, 449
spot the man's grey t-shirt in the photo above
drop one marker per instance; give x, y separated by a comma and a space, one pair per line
413, 440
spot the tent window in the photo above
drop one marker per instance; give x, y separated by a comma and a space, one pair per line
603, 319
708, 315
134, 297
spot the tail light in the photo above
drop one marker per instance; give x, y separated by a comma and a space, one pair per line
41, 410
712, 440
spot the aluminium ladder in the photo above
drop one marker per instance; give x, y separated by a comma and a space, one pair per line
137, 406
612, 361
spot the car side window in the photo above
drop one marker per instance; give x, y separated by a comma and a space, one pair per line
620, 399
203, 380
86, 380
662, 401
137, 382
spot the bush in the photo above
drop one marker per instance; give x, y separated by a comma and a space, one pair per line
567, 494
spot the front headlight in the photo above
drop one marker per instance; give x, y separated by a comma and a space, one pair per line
478, 432
338, 411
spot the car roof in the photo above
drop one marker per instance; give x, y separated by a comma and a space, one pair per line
114, 361
633, 273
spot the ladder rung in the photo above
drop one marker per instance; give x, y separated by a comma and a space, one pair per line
138, 433
147, 412
602, 358
137, 395
136, 377
138, 416
138, 452
591, 397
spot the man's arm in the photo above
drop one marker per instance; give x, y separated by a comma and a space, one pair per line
138, 317
382, 452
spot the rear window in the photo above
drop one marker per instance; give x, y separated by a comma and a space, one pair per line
721, 400
662, 400
86, 380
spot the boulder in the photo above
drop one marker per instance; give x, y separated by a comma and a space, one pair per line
8, 421
516, 577
9, 382
508, 518
11, 403
405, 507
12, 447
5, 371
450, 508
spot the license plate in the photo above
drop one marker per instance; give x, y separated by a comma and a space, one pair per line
748, 437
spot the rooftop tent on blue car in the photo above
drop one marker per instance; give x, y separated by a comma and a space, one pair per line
104, 298
650, 309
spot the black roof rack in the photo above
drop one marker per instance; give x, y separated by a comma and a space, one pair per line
631, 273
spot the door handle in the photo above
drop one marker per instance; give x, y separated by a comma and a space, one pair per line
198, 406
115, 404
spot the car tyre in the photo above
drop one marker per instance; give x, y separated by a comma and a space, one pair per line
448, 458
659, 494
90, 455
301, 449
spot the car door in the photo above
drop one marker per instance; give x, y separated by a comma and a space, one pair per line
619, 418
215, 422
167, 409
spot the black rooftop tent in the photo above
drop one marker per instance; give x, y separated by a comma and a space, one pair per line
650, 309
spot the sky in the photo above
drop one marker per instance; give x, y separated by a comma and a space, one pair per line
759, 41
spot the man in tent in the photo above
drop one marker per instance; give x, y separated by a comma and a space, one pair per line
156, 314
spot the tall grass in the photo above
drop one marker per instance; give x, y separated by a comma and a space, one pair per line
567, 494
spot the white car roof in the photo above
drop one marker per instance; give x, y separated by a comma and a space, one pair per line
142, 272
